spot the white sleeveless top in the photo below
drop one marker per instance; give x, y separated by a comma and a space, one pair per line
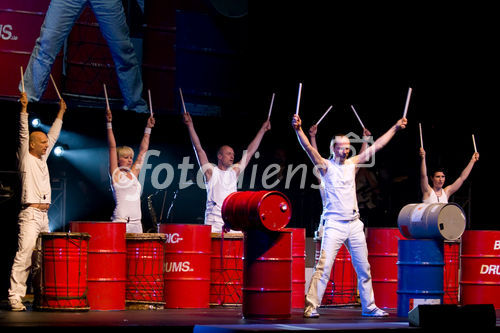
433, 198
340, 202
127, 195
221, 184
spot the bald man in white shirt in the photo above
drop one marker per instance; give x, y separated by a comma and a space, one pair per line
221, 179
32, 155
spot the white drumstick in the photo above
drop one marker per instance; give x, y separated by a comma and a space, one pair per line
421, 139
324, 114
407, 102
359, 119
22, 78
106, 96
298, 99
54, 83
474, 143
150, 103
182, 100
270, 108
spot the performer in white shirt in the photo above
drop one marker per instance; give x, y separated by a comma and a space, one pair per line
33, 151
437, 193
340, 211
123, 173
221, 179
313, 130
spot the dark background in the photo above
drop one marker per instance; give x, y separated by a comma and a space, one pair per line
361, 54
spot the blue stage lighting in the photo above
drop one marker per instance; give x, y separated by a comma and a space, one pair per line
59, 151
36, 122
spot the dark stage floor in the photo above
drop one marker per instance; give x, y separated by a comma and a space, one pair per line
215, 319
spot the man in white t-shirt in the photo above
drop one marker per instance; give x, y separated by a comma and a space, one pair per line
221, 179
341, 215
32, 155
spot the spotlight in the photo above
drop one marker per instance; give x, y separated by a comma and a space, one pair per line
59, 151
36, 122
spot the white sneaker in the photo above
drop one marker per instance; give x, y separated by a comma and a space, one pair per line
311, 313
16, 305
375, 313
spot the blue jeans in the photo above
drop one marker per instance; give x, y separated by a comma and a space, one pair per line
60, 18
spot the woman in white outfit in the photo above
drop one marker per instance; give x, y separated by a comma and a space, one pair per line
123, 173
342, 225
437, 193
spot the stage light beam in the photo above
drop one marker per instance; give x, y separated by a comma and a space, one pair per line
59, 151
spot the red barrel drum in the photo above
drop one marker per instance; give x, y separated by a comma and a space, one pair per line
246, 210
267, 274
145, 283
342, 287
107, 257
480, 268
226, 272
298, 266
64, 271
187, 265
383, 256
451, 271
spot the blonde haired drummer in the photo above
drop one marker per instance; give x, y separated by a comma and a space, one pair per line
124, 172
437, 193
342, 216
221, 179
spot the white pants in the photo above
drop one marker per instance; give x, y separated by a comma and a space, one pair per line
134, 227
131, 226
32, 222
335, 234
217, 225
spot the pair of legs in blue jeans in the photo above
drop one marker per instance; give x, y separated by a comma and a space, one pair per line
59, 20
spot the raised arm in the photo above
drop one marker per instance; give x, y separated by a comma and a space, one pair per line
55, 129
201, 156
24, 134
253, 146
380, 142
450, 189
366, 137
113, 157
143, 148
424, 181
311, 152
313, 130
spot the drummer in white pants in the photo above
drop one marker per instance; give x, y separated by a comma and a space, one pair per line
221, 179
437, 193
123, 173
33, 151
342, 218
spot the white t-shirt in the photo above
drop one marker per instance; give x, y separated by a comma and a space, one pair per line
221, 184
340, 203
127, 195
433, 198
35, 178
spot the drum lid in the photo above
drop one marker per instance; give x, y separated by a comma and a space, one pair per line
82, 235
